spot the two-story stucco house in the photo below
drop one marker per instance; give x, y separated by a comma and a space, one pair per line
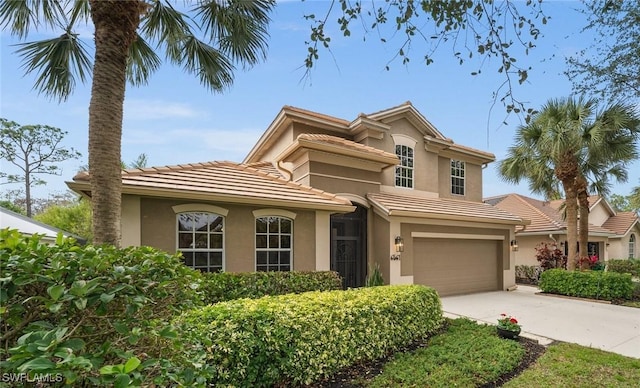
322, 193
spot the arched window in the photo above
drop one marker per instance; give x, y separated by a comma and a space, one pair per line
274, 243
405, 146
201, 240
632, 246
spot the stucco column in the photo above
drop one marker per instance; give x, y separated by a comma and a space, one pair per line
323, 241
130, 222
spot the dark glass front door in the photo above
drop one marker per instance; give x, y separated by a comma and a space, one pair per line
349, 247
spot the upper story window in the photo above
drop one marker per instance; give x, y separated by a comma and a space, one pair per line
404, 171
632, 246
201, 240
457, 177
274, 242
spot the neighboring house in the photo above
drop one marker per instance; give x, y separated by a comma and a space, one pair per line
28, 227
322, 193
612, 235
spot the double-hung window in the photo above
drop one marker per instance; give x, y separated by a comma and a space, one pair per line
457, 177
632, 246
404, 171
274, 241
201, 240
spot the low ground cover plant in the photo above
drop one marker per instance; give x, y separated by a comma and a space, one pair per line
93, 315
225, 286
466, 355
528, 274
297, 339
587, 284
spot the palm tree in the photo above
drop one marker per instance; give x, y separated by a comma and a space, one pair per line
609, 138
208, 41
567, 142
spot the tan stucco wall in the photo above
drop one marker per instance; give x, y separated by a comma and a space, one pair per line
158, 229
599, 214
526, 254
380, 237
619, 247
472, 183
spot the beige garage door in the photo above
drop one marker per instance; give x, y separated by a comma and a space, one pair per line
453, 266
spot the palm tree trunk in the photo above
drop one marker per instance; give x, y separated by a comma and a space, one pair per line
115, 23
572, 225
583, 229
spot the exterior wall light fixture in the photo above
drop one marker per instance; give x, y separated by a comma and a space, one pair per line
399, 246
514, 245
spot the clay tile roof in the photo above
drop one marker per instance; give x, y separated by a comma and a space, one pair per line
441, 208
621, 222
266, 167
344, 143
227, 180
321, 116
544, 216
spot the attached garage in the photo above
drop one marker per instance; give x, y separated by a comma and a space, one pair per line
458, 266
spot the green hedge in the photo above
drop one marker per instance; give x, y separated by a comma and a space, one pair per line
631, 266
297, 339
587, 284
93, 316
225, 286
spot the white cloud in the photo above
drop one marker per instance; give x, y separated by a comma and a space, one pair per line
138, 109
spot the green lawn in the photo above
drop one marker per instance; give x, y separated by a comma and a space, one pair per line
469, 355
570, 365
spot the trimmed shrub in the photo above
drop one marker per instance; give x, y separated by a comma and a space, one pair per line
631, 266
587, 284
93, 315
225, 286
297, 339
528, 273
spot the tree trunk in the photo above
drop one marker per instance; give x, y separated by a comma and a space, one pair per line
572, 225
583, 229
27, 187
115, 24
567, 171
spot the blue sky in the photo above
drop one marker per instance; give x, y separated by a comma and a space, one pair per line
175, 120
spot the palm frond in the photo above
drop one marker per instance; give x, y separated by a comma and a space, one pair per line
58, 61
239, 27
22, 16
212, 68
142, 62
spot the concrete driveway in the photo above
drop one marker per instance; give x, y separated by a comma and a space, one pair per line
597, 325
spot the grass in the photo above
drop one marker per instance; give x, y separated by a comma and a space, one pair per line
470, 355
570, 365
467, 355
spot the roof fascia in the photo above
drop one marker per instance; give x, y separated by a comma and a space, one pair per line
300, 144
285, 117
410, 113
211, 197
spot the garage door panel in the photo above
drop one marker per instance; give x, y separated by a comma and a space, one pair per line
456, 266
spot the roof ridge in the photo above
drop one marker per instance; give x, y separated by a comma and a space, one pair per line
280, 179
521, 197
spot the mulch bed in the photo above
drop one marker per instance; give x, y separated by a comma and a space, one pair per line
348, 377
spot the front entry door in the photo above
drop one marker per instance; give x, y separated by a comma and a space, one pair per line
349, 247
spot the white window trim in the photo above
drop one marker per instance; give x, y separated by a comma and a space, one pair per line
407, 141
196, 208
400, 139
632, 246
273, 213
199, 208
464, 180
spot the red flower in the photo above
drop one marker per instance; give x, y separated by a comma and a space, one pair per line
513, 320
